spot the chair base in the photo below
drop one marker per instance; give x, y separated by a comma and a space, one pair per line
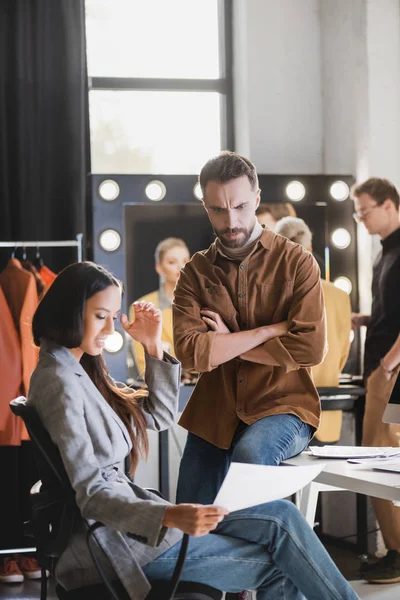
186, 591
91, 592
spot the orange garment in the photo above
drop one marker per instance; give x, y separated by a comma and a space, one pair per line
10, 376
19, 289
41, 287
47, 275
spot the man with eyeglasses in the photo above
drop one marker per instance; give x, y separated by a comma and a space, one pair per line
376, 204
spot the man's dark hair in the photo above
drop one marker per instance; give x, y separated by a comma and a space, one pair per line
59, 316
379, 189
225, 167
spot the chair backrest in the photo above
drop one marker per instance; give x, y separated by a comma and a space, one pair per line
54, 509
50, 466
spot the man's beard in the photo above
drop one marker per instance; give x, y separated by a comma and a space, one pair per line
238, 242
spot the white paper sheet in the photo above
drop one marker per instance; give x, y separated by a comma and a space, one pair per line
248, 485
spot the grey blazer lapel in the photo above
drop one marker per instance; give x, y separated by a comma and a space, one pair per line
92, 389
63, 356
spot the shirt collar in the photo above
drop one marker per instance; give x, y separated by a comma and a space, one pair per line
392, 241
265, 239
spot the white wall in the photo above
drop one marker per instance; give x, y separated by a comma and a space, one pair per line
278, 110
317, 85
340, 37
383, 57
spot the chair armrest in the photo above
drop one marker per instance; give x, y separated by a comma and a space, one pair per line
90, 539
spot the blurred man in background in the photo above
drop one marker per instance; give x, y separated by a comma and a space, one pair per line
376, 203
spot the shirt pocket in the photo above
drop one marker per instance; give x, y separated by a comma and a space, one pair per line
217, 298
271, 303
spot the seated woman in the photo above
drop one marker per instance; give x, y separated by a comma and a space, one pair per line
96, 423
170, 256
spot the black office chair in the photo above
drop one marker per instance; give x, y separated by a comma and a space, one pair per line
54, 512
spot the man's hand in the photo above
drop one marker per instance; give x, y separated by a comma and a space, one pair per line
146, 328
358, 320
278, 329
194, 519
214, 321
259, 355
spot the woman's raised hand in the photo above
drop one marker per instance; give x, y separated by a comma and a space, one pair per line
146, 327
194, 519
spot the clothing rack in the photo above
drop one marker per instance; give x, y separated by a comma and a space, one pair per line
77, 243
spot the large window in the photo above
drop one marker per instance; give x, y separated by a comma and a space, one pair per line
160, 84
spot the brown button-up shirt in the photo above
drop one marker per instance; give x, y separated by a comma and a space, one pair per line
277, 281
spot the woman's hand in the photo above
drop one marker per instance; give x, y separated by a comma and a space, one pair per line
194, 519
214, 321
146, 328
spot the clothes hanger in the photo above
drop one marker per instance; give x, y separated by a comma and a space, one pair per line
38, 259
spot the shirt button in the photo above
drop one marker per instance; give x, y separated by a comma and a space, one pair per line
242, 267
241, 295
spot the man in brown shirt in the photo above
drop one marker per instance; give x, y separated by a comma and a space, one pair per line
249, 316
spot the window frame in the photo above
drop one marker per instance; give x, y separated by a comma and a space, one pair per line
223, 85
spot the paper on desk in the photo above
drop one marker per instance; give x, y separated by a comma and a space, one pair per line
248, 485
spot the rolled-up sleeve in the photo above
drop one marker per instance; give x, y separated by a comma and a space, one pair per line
193, 343
305, 343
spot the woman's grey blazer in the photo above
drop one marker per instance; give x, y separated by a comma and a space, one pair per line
93, 442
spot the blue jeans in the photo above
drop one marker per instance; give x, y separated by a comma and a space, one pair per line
269, 548
268, 441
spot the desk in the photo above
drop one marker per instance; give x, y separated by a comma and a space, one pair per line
341, 475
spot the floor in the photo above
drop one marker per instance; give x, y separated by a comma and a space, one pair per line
346, 561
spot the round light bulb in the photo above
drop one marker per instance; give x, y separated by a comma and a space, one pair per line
341, 238
110, 240
114, 342
109, 190
155, 190
197, 191
343, 283
295, 191
339, 191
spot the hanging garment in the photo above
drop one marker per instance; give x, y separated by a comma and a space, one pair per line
10, 376
40, 284
47, 275
19, 289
